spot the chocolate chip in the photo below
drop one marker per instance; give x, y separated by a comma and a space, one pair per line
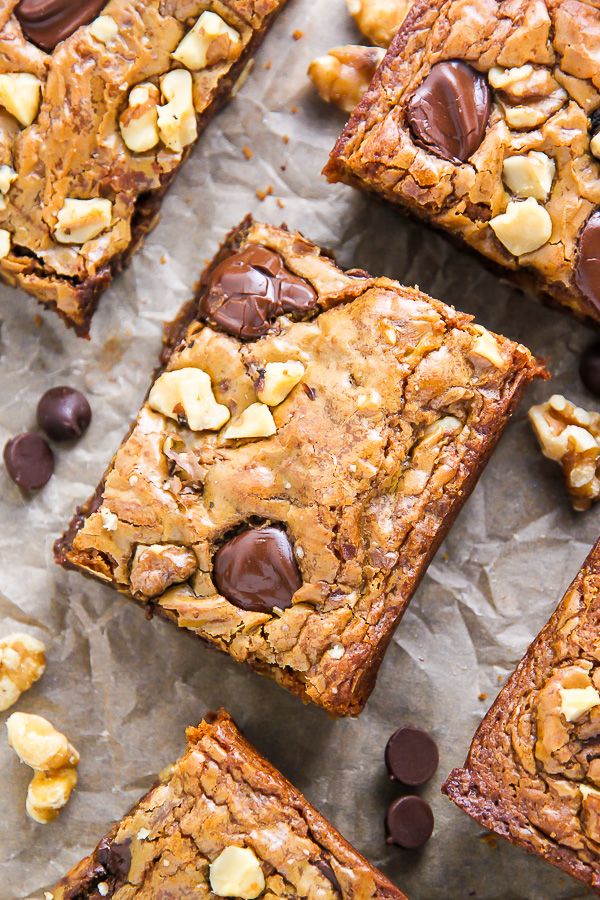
587, 267
409, 822
449, 111
47, 22
249, 289
595, 123
115, 858
325, 869
63, 413
411, 756
589, 368
29, 461
256, 570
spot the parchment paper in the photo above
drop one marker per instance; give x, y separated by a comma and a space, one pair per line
123, 689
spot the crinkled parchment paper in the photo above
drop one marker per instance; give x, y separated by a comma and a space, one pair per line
123, 689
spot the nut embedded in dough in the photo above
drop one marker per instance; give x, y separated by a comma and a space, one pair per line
104, 29
177, 123
524, 227
20, 95
236, 872
255, 421
187, 394
529, 176
139, 121
210, 41
157, 567
80, 221
278, 380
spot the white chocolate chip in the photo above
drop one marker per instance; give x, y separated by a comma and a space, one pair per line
139, 122
486, 346
104, 29
211, 40
80, 221
20, 95
595, 145
500, 78
336, 651
103, 888
143, 833
177, 124
7, 176
255, 421
109, 520
529, 176
576, 702
278, 381
5, 242
187, 393
524, 227
236, 872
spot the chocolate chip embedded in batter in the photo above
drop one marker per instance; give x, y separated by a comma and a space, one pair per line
587, 267
411, 756
47, 22
449, 111
256, 570
115, 858
64, 413
248, 290
325, 869
409, 822
29, 461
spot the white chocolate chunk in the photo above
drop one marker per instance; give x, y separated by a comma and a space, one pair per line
80, 221
209, 41
20, 95
576, 702
595, 145
5, 242
529, 176
524, 227
256, 421
177, 124
236, 872
139, 122
486, 346
500, 78
104, 29
110, 521
278, 381
188, 393
7, 176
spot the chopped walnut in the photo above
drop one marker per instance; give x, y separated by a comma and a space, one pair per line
157, 567
379, 20
344, 74
571, 436
22, 663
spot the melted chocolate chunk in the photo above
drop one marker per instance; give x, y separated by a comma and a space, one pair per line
325, 869
29, 461
448, 113
248, 290
115, 858
411, 756
409, 822
595, 123
64, 414
587, 267
589, 368
256, 570
47, 22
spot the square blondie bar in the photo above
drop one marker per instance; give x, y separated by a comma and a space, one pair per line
298, 461
483, 120
100, 103
223, 822
533, 771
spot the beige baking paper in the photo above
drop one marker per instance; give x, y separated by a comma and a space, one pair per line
123, 689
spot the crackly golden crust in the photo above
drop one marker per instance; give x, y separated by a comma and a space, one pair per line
374, 454
223, 793
559, 39
74, 148
527, 764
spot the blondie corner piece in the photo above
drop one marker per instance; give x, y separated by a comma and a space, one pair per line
484, 120
223, 822
533, 771
296, 466
101, 102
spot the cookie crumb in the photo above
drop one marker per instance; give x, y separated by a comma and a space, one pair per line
262, 195
297, 34
248, 153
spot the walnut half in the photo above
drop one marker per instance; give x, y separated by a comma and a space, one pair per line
157, 567
379, 20
344, 74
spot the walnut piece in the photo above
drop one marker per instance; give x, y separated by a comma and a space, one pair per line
236, 872
139, 121
379, 20
21, 95
210, 41
158, 566
177, 123
570, 436
344, 74
254, 422
22, 663
79, 221
187, 394
524, 227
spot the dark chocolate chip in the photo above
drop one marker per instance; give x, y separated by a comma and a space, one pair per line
47, 22
449, 111
256, 570
115, 858
587, 267
409, 822
411, 756
325, 869
595, 123
64, 413
249, 289
589, 368
29, 461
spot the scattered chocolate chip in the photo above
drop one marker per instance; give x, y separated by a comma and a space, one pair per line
256, 570
64, 413
115, 858
409, 822
411, 756
587, 267
249, 289
47, 22
449, 111
589, 368
29, 461
325, 869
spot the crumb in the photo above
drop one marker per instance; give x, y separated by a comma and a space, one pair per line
163, 260
500, 678
490, 840
297, 34
283, 168
262, 195
268, 65
294, 109
37, 320
285, 138
247, 152
482, 696
280, 203
445, 557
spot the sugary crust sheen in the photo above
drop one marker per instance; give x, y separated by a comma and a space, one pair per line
74, 148
400, 404
547, 105
222, 793
533, 771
